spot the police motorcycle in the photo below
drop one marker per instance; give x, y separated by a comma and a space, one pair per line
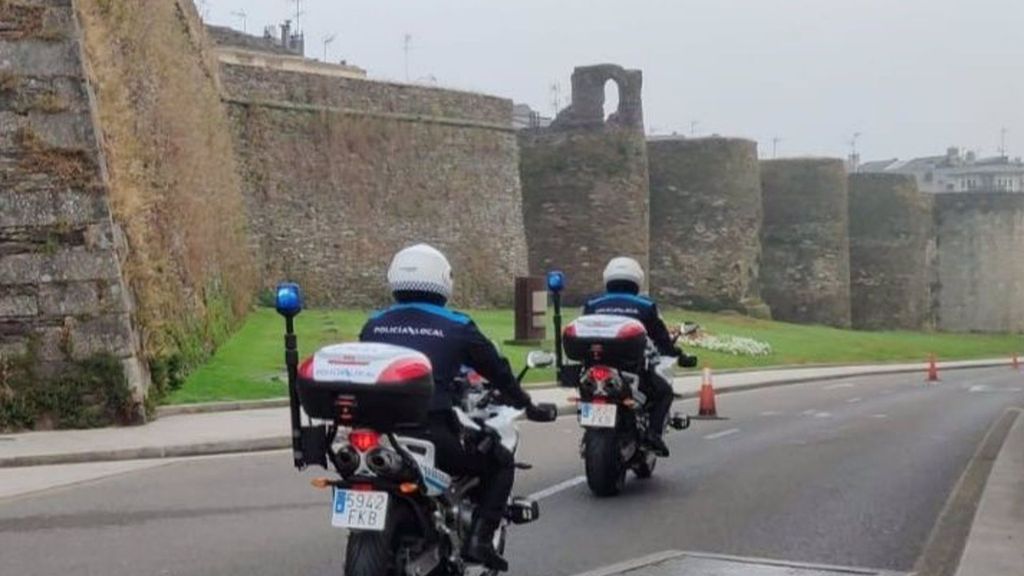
613, 355
404, 516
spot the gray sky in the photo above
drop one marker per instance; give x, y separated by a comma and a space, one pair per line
914, 76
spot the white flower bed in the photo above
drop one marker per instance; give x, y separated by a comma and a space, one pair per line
735, 345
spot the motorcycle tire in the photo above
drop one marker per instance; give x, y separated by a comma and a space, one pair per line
645, 468
368, 554
606, 474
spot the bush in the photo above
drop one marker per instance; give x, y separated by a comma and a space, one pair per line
89, 393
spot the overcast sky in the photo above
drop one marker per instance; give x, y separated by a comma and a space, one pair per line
913, 76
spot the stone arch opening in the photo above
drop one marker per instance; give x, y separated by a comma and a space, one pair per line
612, 97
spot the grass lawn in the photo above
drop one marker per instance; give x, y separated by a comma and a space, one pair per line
251, 364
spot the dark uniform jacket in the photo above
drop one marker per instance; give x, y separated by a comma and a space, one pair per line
451, 340
638, 308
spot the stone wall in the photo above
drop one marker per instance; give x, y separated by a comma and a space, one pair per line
890, 233
585, 183
805, 265
174, 187
63, 296
705, 222
979, 268
340, 173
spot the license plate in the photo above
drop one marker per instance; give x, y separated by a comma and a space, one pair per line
598, 415
360, 510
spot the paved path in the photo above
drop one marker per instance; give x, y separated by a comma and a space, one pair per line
266, 429
810, 473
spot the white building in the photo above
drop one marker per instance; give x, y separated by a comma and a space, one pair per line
956, 172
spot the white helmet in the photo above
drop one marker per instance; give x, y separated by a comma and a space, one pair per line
421, 268
623, 268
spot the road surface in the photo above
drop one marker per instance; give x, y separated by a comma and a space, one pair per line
849, 472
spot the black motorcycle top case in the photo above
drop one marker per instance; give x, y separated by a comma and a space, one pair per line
602, 339
378, 386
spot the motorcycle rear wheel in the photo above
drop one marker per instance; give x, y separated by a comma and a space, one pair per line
606, 474
369, 554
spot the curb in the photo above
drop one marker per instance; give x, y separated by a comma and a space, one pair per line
151, 452
236, 405
284, 441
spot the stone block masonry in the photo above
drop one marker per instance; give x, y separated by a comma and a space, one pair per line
979, 267
890, 242
585, 183
805, 262
705, 223
340, 173
63, 297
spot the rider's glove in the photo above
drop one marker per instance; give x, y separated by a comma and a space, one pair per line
542, 412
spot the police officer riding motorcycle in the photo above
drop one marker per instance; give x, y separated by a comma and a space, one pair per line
623, 278
420, 279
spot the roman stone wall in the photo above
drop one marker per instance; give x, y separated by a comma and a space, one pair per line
805, 262
585, 183
978, 265
63, 295
890, 232
340, 173
705, 222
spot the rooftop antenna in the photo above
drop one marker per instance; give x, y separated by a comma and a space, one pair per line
853, 143
245, 17
556, 97
298, 15
775, 146
1002, 141
327, 41
406, 47
693, 128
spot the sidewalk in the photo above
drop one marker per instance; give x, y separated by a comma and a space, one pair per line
267, 429
995, 544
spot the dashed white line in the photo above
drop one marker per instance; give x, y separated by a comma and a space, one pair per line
879, 416
840, 385
560, 487
770, 413
810, 412
722, 434
854, 400
823, 415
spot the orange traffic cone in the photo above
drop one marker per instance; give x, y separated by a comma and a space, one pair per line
707, 397
1015, 363
933, 369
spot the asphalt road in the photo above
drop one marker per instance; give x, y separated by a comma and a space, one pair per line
851, 472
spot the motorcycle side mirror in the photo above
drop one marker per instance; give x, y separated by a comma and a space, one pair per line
540, 359
288, 299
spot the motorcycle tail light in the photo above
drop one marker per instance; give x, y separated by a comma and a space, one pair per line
364, 440
601, 373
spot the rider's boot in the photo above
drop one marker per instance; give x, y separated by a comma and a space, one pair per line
658, 444
480, 547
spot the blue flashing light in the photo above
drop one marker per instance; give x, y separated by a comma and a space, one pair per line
289, 299
556, 281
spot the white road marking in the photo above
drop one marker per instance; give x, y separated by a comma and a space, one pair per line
978, 388
879, 415
837, 386
810, 412
823, 415
854, 400
722, 434
560, 487
770, 413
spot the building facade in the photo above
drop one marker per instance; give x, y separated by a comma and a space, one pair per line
956, 172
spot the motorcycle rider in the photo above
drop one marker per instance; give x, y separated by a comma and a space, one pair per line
623, 279
420, 279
